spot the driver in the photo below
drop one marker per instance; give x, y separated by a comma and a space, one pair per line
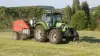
32, 22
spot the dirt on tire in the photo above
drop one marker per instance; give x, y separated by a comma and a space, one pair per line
55, 36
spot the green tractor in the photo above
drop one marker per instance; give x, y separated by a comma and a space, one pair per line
51, 28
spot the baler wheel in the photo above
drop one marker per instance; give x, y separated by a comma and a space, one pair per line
16, 36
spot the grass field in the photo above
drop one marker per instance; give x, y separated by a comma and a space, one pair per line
89, 45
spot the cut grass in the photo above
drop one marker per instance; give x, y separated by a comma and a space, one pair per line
89, 45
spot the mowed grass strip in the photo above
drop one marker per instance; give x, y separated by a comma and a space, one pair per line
89, 45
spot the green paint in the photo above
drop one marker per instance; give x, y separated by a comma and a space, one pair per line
64, 29
43, 24
59, 24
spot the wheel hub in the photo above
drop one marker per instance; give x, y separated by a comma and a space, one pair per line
53, 37
38, 34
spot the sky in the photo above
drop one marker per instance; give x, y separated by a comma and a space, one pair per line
55, 3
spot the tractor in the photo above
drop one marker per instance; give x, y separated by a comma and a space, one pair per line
49, 28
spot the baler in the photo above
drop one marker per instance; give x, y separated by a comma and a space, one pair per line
21, 30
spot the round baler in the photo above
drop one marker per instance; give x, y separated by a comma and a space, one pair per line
21, 30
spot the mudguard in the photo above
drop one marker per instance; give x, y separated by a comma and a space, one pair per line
43, 24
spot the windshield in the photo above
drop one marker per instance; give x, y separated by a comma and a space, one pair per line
57, 18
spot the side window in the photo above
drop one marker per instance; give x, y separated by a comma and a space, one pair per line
46, 18
43, 17
54, 19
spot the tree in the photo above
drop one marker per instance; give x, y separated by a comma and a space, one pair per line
67, 14
85, 8
93, 24
9, 14
76, 6
97, 13
4, 19
79, 20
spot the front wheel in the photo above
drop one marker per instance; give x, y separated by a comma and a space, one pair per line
76, 36
55, 36
72, 35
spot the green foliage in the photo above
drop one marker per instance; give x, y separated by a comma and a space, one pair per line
97, 16
76, 6
5, 22
47, 7
67, 14
97, 12
90, 21
79, 20
85, 8
26, 12
93, 24
8, 15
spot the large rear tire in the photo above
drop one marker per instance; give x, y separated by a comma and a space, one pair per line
55, 36
40, 34
16, 36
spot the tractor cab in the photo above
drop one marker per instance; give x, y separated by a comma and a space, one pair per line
51, 19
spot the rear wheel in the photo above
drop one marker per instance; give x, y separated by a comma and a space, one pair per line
55, 36
40, 34
16, 36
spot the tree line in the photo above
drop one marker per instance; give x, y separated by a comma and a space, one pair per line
80, 17
9, 14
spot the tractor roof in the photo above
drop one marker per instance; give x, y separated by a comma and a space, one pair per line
52, 12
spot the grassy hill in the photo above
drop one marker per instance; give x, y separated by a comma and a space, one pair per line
89, 45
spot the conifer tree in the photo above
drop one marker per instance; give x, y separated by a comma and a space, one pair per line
67, 14
76, 6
